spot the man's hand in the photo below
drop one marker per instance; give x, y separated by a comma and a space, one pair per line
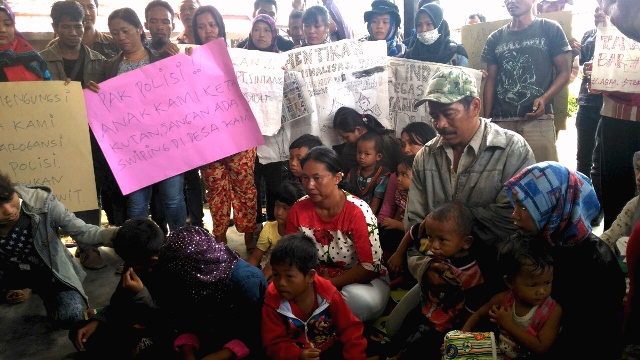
84, 333
538, 108
93, 87
390, 223
131, 281
170, 49
575, 47
309, 354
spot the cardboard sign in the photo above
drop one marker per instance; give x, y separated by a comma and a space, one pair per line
616, 62
44, 140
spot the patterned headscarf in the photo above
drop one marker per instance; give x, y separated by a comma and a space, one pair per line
274, 34
561, 202
19, 60
195, 268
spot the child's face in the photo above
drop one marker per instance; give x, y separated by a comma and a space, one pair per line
445, 240
523, 220
404, 177
291, 282
280, 211
367, 155
530, 287
294, 160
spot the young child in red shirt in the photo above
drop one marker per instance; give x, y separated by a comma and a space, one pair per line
304, 315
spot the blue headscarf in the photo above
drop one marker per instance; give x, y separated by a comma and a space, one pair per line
561, 202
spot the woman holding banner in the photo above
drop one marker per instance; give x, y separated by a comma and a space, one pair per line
18, 60
315, 25
230, 180
126, 29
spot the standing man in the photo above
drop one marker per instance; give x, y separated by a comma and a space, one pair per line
186, 9
527, 65
295, 27
476, 19
547, 6
158, 17
69, 59
269, 7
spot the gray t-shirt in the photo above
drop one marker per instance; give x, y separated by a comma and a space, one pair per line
525, 65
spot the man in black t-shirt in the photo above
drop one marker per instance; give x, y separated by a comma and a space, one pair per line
527, 65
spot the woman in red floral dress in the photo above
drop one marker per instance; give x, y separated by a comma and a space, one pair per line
346, 234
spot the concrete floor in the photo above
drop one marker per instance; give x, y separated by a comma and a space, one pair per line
24, 333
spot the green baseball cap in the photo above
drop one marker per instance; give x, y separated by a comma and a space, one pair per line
448, 86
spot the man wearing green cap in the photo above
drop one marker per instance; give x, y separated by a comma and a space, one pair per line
468, 162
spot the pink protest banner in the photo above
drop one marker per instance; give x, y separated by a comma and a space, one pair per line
171, 116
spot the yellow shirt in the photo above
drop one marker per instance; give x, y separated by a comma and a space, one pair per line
269, 236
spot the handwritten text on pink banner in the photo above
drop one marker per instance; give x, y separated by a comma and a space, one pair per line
171, 116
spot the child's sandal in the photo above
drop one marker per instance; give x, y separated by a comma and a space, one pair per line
17, 296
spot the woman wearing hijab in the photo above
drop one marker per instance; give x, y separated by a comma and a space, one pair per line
432, 39
556, 205
213, 298
263, 34
18, 59
383, 22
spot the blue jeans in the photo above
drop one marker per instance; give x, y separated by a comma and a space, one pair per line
172, 197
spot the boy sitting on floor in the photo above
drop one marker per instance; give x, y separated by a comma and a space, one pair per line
304, 316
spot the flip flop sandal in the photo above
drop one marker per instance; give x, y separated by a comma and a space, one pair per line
18, 296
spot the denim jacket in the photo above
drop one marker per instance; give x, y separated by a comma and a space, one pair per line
47, 214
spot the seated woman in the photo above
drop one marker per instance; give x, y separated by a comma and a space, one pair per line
213, 298
556, 205
32, 256
630, 215
432, 39
346, 235
383, 22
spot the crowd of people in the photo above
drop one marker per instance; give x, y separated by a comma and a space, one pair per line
472, 211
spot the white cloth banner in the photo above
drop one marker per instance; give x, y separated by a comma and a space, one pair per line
616, 62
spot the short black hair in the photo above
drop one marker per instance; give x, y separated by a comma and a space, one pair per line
408, 161
375, 138
316, 14
454, 211
138, 240
297, 250
66, 9
522, 250
307, 140
256, 4
289, 192
158, 3
6, 189
217, 17
296, 14
479, 16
